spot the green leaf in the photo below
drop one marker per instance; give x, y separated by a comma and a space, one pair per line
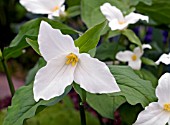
107, 50
30, 29
133, 88
0, 54
148, 61
24, 107
31, 74
34, 45
14, 51
135, 2
131, 36
62, 114
90, 10
129, 113
105, 105
73, 11
159, 11
147, 75
90, 38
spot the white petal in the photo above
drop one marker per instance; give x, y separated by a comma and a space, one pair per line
38, 6
152, 115
51, 80
124, 56
134, 17
111, 12
163, 89
116, 25
53, 43
135, 64
59, 12
139, 51
164, 58
94, 76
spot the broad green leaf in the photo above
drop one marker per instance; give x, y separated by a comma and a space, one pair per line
90, 38
107, 50
131, 36
135, 2
30, 29
92, 52
31, 74
90, 10
34, 45
129, 113
60, 113
105, 105
71, 3
73, 11
148, 61
147, 75
14, 51
133, 88
24, 107
159, 11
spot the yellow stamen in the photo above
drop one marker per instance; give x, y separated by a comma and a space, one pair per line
134, 57
72, 59
167, 107
55, 8
121, 22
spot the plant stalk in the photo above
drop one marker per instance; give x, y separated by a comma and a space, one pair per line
82, 112
10, 83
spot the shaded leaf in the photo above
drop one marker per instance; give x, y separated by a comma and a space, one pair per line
90, 38
23, 105
131, 36
34, 45
148, 61
133, 88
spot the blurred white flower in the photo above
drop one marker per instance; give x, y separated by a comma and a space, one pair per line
158, 113
133, 58
65, 64
116, 18
164, 58
50, 7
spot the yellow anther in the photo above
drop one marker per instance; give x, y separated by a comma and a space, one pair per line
121, 22
134, 57
72, 59
55, 8
167, 107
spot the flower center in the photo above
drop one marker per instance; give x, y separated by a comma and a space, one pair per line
72, 59
55, 8
134, 57
167, 107
121, 22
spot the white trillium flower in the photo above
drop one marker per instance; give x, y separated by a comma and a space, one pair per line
116, 19
50, 7
133, 58
65, 64
164, 58
158, 113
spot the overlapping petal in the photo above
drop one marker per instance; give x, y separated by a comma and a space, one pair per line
134, 17
124, 56
53, 43
51, 80
115, 25
164, 58
135, 64
94, 76
152, 115
111, 12
139, 51
163, 89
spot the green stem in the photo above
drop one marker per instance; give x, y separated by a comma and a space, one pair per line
11, 85
82, 112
